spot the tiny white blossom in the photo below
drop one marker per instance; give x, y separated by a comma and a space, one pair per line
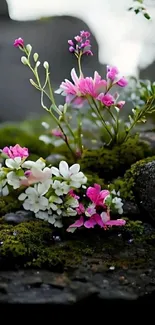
118, 204
34, 199
71, 174
60, 187
13, 180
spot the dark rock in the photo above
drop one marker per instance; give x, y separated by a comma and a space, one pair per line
23, 100
18, 217
4, 10
3, 288
144, 190
130, 209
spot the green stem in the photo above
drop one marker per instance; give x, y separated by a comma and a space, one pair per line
102, 119
51, 91
79, 65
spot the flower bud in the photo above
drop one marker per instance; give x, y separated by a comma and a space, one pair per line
46, 65
37, 64
33, 83
35, 57
29, 48
24, 60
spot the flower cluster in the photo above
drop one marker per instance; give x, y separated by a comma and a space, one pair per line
80, 44
98, 94
49, 192
98, 210
81, 89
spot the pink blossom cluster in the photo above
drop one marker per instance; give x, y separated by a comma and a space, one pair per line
16, 151
80, 44
97, 212
77, 91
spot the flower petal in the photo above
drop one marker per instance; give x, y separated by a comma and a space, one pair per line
74, 169
64, 169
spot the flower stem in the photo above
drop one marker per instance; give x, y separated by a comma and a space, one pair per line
102, 119
79, 64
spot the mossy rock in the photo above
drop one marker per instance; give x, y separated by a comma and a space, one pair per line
126, 184
31, 245
10, 135
110, 163
9, 203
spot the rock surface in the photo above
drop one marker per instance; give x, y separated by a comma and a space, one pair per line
122, 269
144, 190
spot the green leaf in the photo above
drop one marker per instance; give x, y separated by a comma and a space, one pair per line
20, 172
146, 15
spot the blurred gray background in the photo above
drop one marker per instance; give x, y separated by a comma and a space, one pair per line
118, 37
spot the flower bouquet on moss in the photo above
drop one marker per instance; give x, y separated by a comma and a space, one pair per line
55, 194
60, 194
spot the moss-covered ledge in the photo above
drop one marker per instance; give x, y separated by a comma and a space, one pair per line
32, 245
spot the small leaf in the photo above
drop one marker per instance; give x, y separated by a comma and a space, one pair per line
146, 15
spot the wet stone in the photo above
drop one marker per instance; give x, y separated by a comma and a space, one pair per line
18, 217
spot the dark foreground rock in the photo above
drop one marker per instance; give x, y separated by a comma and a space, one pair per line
41, 266
144, 189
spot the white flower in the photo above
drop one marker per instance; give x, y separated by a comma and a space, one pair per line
13, 180
4, 191
33, 199
117, 201
71, 174
60, 187
54, 219
13, 163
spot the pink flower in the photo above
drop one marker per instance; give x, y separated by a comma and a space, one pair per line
57, 133
72, 194
16, 151
96, 195
80, 210
120, 104
107, 100
92, 86
19, 42
36, 175
107, 222
76, 92
102, 220
115, 77
71, 90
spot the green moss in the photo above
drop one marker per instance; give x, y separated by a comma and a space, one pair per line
111, 163
136, 228
94, 178
126, 184
31, 245
9, 204
11, 135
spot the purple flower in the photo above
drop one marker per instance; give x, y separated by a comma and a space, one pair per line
19, 42
80, 44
